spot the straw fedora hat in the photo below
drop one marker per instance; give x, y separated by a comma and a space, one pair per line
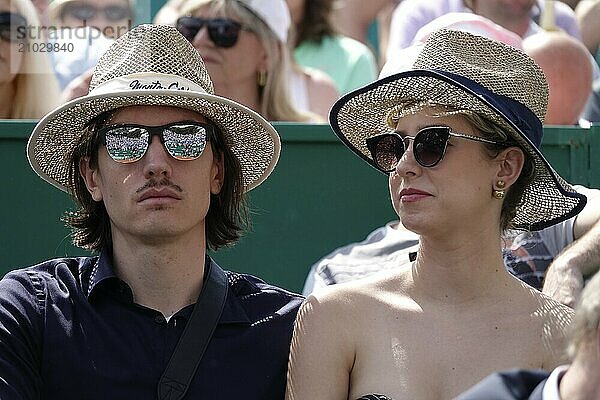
152, 65
461, 70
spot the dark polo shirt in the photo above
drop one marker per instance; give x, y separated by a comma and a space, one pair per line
69, 329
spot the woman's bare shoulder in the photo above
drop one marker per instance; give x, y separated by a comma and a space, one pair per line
370, 292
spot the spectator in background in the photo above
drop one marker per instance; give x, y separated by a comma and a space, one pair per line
566, 64
96, 25
355, 18
74, 68
592, 108
244, 46
459, 137
28, 87
519, 16
318, 45
111, 17
578, 380
588, 16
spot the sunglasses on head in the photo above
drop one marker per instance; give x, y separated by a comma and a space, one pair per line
86, 12
222, 32
128, 143
429, 146
9, 25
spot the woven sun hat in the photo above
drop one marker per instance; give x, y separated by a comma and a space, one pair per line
457, 69
152, 65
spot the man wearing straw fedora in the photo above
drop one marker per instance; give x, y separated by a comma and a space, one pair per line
158, 167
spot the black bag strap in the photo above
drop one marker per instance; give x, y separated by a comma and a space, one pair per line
182, 366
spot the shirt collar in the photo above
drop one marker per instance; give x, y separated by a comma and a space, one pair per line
551, 388
101, 270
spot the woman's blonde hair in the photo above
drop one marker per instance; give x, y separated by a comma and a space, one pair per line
36, 87
275, 102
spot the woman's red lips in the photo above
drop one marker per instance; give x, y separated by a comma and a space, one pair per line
411, 195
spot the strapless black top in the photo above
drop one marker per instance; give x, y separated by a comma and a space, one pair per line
374, 396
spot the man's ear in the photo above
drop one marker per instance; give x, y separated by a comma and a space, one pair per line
217, 172
90, 177
510, 164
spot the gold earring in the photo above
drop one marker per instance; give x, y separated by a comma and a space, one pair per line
262, 78
499, 193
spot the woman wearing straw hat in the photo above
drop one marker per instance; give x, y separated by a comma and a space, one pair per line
459, 137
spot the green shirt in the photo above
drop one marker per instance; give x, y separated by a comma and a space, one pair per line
350, 63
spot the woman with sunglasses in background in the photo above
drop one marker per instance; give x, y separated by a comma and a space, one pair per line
243, 44
25, 71
459, 137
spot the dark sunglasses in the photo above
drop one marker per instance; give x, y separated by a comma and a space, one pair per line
221, 31
429, 146
9, 27
86, 12
128, 143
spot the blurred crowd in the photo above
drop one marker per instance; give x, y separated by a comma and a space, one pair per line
291, 60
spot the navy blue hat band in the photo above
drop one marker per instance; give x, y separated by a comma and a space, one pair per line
514, 112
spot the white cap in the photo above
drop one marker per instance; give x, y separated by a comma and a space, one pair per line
274, 13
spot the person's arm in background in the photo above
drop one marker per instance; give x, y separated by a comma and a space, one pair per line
354, 17
384, 20
566, 275
411, 15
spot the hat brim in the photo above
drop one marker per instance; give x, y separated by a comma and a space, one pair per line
363, 113
250, 137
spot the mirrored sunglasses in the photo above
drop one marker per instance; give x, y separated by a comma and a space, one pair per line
9, 27
429, 146
86, 12
222, 32
128, 143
